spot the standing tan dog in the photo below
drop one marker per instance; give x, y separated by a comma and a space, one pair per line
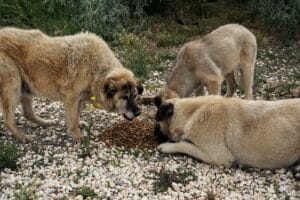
210, 60
70, 69
222, 131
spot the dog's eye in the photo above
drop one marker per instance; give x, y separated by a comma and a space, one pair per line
125, 98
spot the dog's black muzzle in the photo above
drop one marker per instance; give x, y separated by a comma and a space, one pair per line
132, 107
159, 135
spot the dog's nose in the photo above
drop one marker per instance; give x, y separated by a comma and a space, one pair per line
137, 112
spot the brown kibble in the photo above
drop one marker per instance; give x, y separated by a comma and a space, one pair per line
135, 134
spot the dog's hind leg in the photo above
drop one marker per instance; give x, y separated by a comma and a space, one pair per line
26, 102
247, 63
10, 92
200, 90
231, 84
211, 77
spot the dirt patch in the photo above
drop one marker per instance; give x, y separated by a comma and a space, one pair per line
136, 134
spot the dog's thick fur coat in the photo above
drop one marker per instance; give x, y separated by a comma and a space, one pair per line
221, 131
210, 60
70, 69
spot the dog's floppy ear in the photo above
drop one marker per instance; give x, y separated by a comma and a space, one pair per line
157, 101
109, 88
164, 111
140, 87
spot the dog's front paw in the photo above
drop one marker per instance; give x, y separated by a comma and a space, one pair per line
25, 138
76, 135
166, 147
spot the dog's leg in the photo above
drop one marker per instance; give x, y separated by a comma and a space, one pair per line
248, 57
231, 84
72, 115
211, 76
10, 96
26, 102
82, 123
247, 81
200, 90
214, 87
192, 150
186, 148
9, 106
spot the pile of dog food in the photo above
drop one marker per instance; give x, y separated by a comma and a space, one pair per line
135, 134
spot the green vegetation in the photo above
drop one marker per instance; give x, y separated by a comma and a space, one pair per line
134, 54
86, 146
86, 192
281, 16
8, 155
145, 33
164, 179
28, 192
108, 17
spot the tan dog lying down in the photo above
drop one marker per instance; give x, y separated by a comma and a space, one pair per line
210, 60
221, 131
70, 69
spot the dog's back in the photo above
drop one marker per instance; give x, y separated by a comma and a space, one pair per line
263, 134
15, 42
211, 60
227, 46
270, 130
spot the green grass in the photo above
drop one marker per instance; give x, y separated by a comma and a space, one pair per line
164, 179
139, 62
28, 192
86, 147
8, 155
36, 148
86, 192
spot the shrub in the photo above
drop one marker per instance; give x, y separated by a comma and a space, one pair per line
104, 17
8, 155
134, 55
280, 16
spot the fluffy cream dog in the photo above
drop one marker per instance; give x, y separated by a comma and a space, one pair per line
210, 60
70, 69
221, 131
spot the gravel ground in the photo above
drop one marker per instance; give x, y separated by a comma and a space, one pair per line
53, 167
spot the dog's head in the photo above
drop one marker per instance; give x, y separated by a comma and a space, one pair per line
120, 89
164, 116
164, 94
